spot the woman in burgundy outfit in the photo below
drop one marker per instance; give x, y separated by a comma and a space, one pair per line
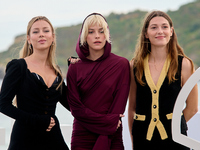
98, 89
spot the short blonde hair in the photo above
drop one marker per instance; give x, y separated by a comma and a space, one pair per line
94, 19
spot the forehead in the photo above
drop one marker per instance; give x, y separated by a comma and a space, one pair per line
95, 26
40, 24
158, 20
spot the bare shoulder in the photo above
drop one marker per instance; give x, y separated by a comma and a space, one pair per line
186, 70
187, 65
131, 63
131, 69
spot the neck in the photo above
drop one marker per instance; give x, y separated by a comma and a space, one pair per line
94, 55
39, 58
158, 55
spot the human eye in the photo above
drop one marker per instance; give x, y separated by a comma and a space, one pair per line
153, 27
101, 31
46, 31
90, 31
165, 27
34, 32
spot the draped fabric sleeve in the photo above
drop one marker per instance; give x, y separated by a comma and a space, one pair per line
15, 70
121, 93
119, 103
104, 124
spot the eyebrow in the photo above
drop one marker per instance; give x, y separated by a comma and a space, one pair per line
93, 29
42, 28
157, 24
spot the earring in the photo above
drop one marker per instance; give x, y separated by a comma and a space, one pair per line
52, 43
30, 47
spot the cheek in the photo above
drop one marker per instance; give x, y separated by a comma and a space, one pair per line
88, 38
32, 38
49, 36
104, 41
168, 33
104, 37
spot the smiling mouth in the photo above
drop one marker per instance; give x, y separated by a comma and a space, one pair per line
160, 37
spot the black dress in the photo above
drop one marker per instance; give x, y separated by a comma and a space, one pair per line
154, 107
36, 104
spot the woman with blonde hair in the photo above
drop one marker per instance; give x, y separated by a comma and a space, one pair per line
159, 69
37, 83
98, 89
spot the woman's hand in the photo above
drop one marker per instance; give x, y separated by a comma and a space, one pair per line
73, 60
52, 123
119, 123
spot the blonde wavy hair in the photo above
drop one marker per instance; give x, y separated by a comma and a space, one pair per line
143, 48
27, 49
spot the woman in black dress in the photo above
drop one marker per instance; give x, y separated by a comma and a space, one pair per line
158, 71
37, 83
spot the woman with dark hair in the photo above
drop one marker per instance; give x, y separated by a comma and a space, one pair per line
158, 71
98, 89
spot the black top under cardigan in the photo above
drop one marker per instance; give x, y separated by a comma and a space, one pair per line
36, 104
167, 98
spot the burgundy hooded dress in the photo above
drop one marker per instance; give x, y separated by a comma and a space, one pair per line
98, 92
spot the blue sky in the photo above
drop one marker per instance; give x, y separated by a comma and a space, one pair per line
15, 14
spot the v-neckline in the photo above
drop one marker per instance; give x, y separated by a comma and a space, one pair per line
40, 76
161, 76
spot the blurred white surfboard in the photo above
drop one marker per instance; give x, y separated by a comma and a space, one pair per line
177, 112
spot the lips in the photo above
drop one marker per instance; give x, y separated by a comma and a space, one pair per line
97, 42
160, 37
42, 41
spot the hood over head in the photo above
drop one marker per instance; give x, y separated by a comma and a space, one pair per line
83, 50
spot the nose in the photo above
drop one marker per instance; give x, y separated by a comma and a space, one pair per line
41, 34
96, 35
160, 30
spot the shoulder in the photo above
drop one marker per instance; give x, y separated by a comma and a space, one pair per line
16, 64
187, 69
186, 64
132, 68
120, 59
15, 68
131, 63
72, 69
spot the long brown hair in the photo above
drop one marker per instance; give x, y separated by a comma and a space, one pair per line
143, 48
